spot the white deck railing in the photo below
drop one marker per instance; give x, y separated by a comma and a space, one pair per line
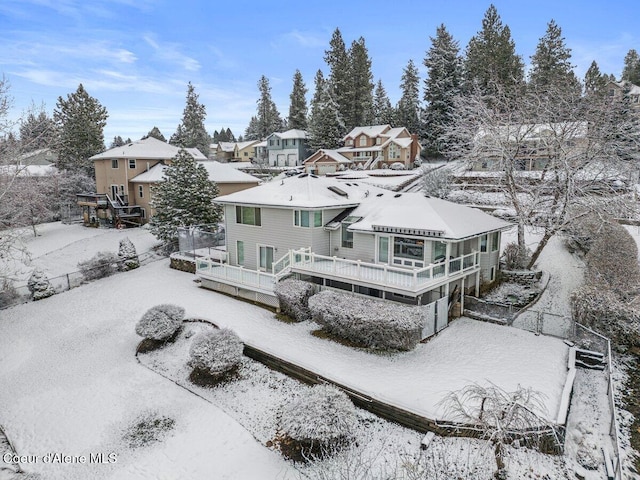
303, 260
381, 274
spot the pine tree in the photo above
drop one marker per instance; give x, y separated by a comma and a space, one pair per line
155, 133
37, 131
383, 112
491, 61
631, 71
359, 98
251, 132
268, 118
80, 122
337, 59
39, 285
325, 124
551, 68
128, 255
231, 137
594, 82
442, 85
298, 107
117, 142
183, 199
191, 133
408, 108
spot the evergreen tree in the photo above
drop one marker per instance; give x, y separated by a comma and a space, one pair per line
80, 122
337, 59
408, 108
37, 131
183, 199
325, 124
491, 62
594, 82
230, 135
383, 112
442, 85
155, 133
117, 142
631, 71
298, 107
268, 118
191, 133
551, 68
251, 132
359, 98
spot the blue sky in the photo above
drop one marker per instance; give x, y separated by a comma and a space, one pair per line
136, 56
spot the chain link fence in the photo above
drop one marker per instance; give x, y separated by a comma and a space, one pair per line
191, 239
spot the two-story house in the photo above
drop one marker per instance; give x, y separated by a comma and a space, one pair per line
403, 247
380, 145
287, 149
618, 89
125, 175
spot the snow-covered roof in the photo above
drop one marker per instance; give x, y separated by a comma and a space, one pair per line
332, 154
633, 89
373, 148
227, 146
536, 131
29, 170
303, 191
262, 144
370, 131
293, 133
415, 211
149, 148
218, 172
248, 143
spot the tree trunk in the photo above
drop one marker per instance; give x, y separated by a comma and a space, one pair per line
543, 243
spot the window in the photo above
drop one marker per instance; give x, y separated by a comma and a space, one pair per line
266, 257
439, 251
363, 140
246, 154
132, 163
307, 218
278, 141
383, 249
483, 243
248, 216
393, 151
143, 213
378, 141
495, 241
271, 143
141, 191
411, 248
347, 236
240, 252
350, 142
114, 163
293, 142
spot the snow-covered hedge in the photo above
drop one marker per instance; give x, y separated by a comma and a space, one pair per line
602, 310
294, 298
216, 352
160, 322
367, 322
39, 285
319, 420
128, 255
101, 265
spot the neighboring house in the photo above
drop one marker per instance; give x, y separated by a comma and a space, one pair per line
287, 149
226, 151
531, 146
326, 161
261, 152
378, 146
124, 176
234, 151
350, 236
246, 151
617, 89
42, 156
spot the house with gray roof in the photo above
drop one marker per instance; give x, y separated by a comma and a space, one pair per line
287, 149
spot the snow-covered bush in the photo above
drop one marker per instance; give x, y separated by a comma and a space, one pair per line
101, 265
216, 352
367, 322
437, 182
39, 285
514, 257
293, 296
599, 308
319, 421
160, 322
127, 255
580, 234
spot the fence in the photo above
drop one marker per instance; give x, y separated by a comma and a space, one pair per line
194, 238
15, 295
545, 323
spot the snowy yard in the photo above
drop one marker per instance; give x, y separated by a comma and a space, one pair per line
72, 384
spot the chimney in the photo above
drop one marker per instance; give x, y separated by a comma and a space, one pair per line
413, 150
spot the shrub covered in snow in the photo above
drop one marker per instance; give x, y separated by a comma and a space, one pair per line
216, 352
600, 309
367, 322
101, 265
160, 322
293, 296
580, 234
321, 419
39, 285
514, 258
128, 255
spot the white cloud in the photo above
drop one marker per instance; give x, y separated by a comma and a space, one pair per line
170, 52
